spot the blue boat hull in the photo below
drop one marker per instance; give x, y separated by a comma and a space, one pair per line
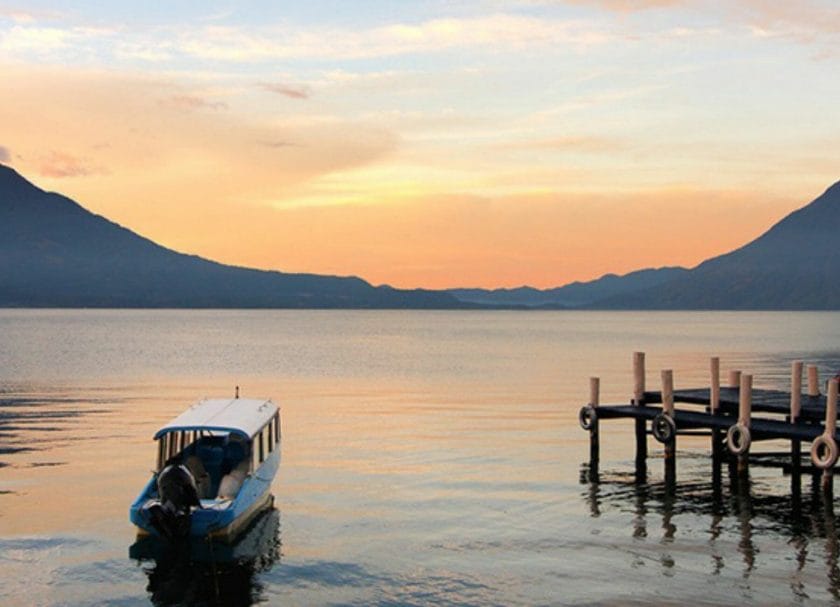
220, 519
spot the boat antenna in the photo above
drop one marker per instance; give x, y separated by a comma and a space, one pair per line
237, 392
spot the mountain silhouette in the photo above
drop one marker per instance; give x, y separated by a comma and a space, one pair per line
54, 253
795, 265
575, 294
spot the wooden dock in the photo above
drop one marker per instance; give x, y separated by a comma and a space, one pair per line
734, 417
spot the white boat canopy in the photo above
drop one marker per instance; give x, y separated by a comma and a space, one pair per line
243, 416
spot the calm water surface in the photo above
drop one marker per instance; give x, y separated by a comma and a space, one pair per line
428, 457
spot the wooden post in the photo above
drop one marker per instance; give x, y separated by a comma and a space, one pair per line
831, 409
830, 430
714, 403
744, 415
813, 380
671, 445
594, 443
639, 401
795, 410
668, 392
734, 382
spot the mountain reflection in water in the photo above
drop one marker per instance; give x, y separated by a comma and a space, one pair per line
210, 573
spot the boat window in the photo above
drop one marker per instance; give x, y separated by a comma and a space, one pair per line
277, 426
262, 449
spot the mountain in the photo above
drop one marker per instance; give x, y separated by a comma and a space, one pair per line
54, 253
575, 294
795, 265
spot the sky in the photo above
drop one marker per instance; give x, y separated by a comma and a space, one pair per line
489, 143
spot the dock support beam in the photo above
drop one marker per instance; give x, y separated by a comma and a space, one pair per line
670, 445
641, 429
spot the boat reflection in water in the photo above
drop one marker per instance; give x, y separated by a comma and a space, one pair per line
197, 572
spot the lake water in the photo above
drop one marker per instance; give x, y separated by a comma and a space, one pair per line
428, 457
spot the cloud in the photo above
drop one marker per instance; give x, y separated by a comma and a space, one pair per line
621, 6
165, 166
287, 90
279, 144
61, 164
5, 154
496, 31
571, 143
41, 40
23, 16
805, 21
193, 102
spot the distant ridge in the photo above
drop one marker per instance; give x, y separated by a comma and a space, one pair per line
576, 294
54, 253
795, 265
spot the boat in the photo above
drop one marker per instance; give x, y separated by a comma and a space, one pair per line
215, 465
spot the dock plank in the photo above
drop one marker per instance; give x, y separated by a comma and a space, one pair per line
763, 401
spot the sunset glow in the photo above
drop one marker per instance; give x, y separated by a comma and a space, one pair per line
429, 144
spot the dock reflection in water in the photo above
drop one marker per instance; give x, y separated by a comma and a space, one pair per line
738, 513
211, 573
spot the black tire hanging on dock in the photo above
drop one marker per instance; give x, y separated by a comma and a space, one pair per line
738, 439
663, 428
824, 452
588, 417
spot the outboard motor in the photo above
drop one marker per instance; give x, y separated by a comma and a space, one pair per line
178, 494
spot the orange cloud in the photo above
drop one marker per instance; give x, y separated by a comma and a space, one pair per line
622, 6
287, 90
193, 102
61, 164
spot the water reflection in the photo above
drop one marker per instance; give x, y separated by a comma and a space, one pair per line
741, 516
211, 573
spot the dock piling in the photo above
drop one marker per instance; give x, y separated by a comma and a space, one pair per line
824, 448
813, 380
639, 401
795, 410
734, 379
671, 439
714, 403
830, 430
738, 436
594, 440
744, 415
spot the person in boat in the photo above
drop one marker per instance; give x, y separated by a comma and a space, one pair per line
177, 495
235, 466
